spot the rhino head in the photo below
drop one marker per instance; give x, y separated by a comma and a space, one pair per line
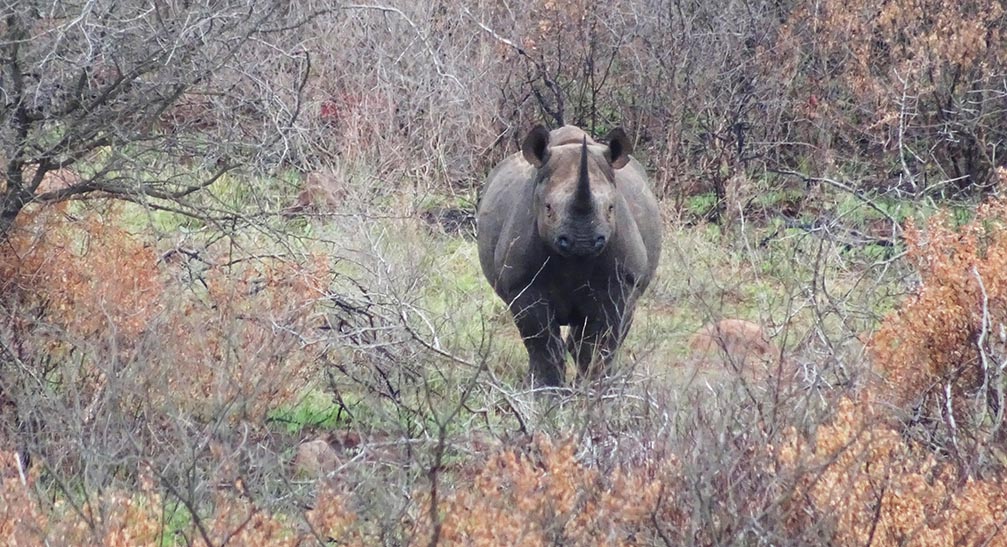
575, 194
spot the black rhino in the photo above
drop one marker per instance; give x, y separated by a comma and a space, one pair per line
569, 234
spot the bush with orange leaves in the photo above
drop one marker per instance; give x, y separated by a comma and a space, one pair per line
544, 496
874, 488
944, 352
93, 311
89, 276
123, 517
244, 340
119, 363
105, 335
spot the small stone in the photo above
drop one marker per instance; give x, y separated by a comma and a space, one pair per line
315, 458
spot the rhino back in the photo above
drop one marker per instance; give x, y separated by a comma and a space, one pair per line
569, 134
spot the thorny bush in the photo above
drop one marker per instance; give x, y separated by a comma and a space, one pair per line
82, 289
139, 380
944, 352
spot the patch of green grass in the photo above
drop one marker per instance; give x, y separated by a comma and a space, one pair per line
773, 198
429, 201
458, 279
700, 205
313, 410
787, 280
176, 519
137, 218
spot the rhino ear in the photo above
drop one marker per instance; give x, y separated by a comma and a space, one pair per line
619, 148
536, 146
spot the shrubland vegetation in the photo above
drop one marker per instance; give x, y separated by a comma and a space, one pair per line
241, 303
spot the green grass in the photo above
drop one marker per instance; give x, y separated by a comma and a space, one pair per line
700, 205
176, 520
314, 410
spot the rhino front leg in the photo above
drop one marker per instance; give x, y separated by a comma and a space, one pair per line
546, 358
594, 343
546, 353
592, 349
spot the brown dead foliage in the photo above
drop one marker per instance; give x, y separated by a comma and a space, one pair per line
544, 496
78, 284
876, 488
942, 350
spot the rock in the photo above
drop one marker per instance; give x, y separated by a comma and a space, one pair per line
315, 458
739, 347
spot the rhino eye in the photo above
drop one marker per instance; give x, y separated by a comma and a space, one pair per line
611, 208
548, 208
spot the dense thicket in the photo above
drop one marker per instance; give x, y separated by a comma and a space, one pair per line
266, 344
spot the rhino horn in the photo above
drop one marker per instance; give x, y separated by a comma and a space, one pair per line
582, 199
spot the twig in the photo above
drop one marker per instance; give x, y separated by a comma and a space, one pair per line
496, 36
20, 364
902, 127
855, 192
653, 518
950, 417
190, 507
995, 381
442, 434
433, 54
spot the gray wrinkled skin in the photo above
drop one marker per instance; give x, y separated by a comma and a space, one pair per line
569, 234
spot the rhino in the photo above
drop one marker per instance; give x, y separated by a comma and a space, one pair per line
569, 234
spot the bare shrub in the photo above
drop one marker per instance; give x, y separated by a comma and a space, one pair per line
126, 93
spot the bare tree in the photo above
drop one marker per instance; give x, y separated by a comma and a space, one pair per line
107, 98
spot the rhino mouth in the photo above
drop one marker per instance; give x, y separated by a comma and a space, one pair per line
580, 247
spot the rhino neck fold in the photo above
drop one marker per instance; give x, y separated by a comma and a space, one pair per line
582, 198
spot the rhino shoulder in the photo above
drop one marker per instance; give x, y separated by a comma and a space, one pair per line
644, 226
504, 221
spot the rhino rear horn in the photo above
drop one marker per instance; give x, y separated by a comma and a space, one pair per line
536, 146
619, 148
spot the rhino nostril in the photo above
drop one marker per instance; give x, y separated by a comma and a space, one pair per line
599, 242
563, 243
